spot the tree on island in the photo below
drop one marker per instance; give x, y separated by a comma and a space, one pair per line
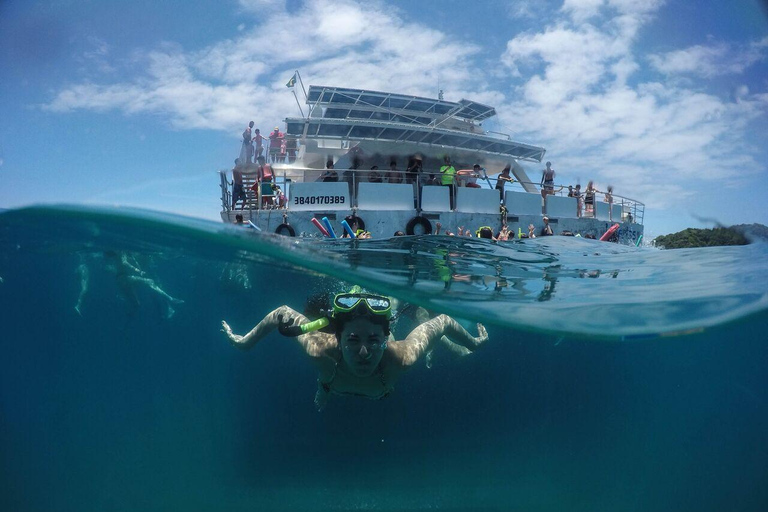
693, 237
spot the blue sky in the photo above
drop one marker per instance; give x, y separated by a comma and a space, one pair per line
140, 103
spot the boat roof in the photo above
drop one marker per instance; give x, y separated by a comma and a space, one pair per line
401, 133
364, 101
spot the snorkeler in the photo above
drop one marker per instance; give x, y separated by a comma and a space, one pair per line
352, 348
128, 275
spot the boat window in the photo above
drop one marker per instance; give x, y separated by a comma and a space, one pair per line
333, 130
295, 128
453, 140
391, 133
359, 114
372, 100
381, 116
421, 106
396, 103
336, 113
312, 130
342, 98
365, 132
476, 143
432, 138
496, 148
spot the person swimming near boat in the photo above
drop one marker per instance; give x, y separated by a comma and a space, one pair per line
352, 346
129, 276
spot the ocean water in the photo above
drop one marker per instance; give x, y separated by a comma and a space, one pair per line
614, 378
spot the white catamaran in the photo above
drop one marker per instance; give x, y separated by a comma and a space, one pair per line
387, 152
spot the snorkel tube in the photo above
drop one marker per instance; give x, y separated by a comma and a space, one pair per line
347, 303
297, 330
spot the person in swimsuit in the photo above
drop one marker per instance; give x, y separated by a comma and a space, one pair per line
548, 180
352, 346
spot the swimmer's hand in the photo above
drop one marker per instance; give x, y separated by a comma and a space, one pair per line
234, 338
482, 335
286, 328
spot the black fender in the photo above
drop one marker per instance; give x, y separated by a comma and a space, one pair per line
285, 229
421, 221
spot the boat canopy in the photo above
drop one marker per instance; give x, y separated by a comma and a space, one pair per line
318, 128
363, 104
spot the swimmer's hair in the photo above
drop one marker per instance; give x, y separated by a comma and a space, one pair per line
399, 233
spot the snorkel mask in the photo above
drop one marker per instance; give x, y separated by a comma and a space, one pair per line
481, 229
344, 304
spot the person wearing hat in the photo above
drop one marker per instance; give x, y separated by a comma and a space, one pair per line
275, 142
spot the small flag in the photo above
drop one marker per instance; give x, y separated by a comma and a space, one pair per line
292, 81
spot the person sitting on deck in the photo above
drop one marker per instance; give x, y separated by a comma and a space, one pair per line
394, 176
468, 177
374, 176
330, 174
352, 347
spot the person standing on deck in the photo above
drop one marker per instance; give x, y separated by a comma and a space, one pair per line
394, 176
238, 192
259, 140
547, 181
275, 143
502, 180
246, 153
448, 172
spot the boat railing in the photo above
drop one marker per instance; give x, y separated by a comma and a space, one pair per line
632, 210
308, 189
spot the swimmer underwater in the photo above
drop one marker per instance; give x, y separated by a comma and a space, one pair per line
352, 346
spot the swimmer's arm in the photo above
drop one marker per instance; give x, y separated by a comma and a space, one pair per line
426, 336
314, 343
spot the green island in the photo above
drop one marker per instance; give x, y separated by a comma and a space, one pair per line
740, 234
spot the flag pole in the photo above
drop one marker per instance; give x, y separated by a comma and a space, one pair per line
302, 84
297, 102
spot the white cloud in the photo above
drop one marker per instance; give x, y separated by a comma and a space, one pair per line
577, 89
342, 42
718, 58
654, 141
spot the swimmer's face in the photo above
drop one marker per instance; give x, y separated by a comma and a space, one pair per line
362, 346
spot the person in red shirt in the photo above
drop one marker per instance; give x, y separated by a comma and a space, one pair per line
275, 144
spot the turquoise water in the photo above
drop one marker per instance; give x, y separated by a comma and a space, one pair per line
614, 378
